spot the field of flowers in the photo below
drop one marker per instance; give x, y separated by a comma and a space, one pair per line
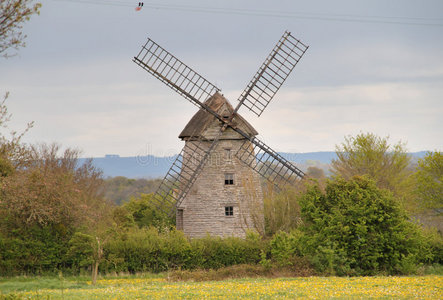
414, 287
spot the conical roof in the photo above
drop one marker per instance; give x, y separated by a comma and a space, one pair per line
204, 125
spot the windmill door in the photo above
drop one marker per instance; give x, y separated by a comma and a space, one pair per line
179, 219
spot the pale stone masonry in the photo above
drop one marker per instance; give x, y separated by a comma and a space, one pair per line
226, 199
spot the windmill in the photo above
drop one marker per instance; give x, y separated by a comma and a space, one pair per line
208, 182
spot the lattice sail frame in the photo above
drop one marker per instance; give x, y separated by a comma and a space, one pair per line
183, 173
174, 73
268, 163
272, 74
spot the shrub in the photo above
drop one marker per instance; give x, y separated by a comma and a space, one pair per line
148, 250
435, 241
143, 211
216, 252
429, 180
137, 250
354, 228
34, 250
284, 247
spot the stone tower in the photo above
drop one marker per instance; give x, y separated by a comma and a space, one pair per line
226, 199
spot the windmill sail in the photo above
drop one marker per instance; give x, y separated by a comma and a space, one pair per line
271, 75
174, 73
268, 163
182, 174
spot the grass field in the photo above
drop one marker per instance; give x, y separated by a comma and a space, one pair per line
152, 287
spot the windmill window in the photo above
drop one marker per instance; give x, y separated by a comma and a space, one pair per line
229, 210
229, 179
228, 154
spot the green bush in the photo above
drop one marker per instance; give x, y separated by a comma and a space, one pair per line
148, 250
143, 212
216, 252
354, 228
80, 252
34, 250
138, 250
284, 247
435, 241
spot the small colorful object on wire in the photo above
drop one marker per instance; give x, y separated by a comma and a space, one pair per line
139, 7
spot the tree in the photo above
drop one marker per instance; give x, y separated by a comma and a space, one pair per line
282, 210
120, 189
52, 189
429, 180
45, 197
13, 13
355, 228
87, 249
13, 153
368, 154
144, 211
43, 204
315, 172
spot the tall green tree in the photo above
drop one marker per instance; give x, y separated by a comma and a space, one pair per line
13, 13
371, 155
429, 180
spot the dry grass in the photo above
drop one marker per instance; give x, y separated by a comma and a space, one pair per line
240, 271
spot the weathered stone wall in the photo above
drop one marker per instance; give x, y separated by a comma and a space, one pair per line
202, 210
204, 206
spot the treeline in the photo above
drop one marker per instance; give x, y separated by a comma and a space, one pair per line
120, 189
350, 227
55, 216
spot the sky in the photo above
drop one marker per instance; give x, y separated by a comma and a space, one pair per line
372, 66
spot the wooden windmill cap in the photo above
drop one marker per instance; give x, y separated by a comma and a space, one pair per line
204, 125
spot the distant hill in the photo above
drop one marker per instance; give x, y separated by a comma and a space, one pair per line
134, 166
153, 166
